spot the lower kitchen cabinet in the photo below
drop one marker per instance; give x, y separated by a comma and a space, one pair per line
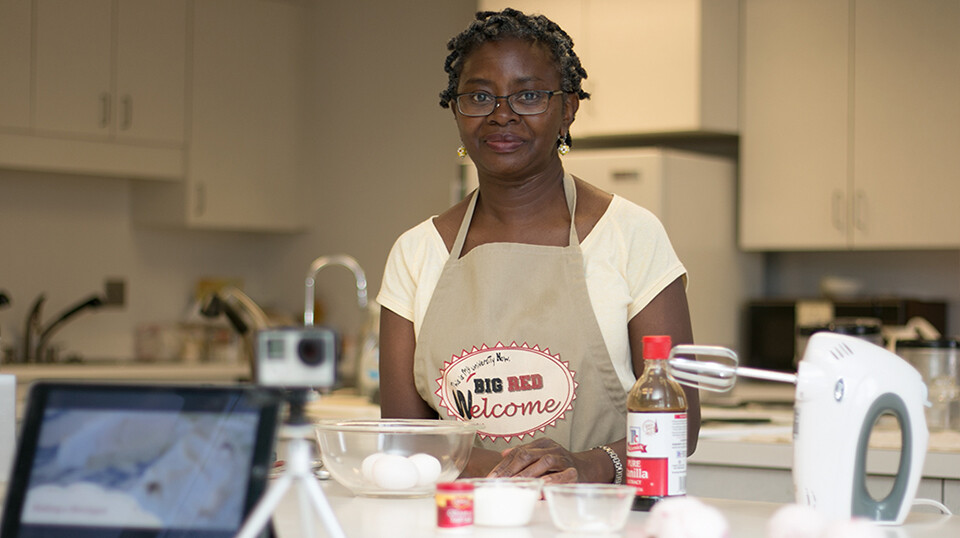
951, 495
776, 485
740, 483
247, 102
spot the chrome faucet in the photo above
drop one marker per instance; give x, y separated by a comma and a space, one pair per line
320, 263
215, 303
37, 352
31, 329
4, 302
219, 302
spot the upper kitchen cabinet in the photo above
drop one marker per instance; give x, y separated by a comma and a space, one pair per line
113, 69
151, 89
246, 111
106, 85
850, 125
15, 39
653, 66
74, 67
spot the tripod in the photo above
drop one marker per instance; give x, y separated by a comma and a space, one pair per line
296, 431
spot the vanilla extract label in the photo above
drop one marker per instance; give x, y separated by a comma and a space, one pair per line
657, 453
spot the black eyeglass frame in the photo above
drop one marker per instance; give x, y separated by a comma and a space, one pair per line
497, 98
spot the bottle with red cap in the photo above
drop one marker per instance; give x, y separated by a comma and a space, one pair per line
656, 429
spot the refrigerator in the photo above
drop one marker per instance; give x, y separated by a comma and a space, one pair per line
695, 197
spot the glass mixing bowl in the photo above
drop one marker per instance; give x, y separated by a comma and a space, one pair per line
394, 457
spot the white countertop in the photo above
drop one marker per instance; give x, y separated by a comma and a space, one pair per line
133, 371
366, 517
362, 517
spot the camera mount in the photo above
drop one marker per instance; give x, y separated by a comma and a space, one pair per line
297, 432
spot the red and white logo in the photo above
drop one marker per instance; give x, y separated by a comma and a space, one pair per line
514, 390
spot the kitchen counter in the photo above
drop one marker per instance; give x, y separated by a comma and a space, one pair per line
753, 460
133, 371
130, 370
363, 517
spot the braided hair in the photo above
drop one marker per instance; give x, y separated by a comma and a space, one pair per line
510, 23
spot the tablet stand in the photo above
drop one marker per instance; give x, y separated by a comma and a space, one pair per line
298, 433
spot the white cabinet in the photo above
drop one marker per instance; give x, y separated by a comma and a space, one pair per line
95, 86
652, 66
151, 56
73, 66
850, 125
114, 69
694, 196
951, 494
15, 64
906, 128
776, 485
247, 107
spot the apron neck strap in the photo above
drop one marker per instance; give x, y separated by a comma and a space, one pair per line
569, 189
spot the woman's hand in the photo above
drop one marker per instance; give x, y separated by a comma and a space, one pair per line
545, 458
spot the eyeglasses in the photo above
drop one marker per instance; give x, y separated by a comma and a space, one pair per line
524, 102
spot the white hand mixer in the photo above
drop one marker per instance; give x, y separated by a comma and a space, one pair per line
844, 385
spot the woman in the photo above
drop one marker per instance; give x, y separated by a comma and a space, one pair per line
504, 309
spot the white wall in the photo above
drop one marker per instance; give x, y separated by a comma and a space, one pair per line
62, 236
381, 152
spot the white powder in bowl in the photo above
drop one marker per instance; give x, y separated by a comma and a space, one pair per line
503, 505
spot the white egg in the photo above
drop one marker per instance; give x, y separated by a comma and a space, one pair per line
366, 468
394, 472
428, 468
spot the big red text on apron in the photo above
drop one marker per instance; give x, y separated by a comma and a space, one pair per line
514, 390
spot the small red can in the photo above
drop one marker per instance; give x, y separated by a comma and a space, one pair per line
454, 505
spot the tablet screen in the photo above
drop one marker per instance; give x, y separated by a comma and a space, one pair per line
140, 461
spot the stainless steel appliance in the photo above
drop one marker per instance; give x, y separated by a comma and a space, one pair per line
772, 325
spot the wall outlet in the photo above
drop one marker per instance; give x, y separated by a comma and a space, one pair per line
115, 292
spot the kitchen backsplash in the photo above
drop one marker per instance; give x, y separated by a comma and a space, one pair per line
62, 236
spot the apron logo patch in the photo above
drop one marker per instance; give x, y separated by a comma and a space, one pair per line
514, 391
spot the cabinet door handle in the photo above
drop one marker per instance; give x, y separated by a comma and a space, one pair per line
127, 114
838, 209
860, 210
200, 204
105, 110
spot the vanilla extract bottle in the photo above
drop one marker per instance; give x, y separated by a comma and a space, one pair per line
656, 429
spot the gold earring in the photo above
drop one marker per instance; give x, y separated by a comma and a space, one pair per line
562, 147
461, 151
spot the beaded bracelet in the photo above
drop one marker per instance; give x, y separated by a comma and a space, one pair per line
617, 464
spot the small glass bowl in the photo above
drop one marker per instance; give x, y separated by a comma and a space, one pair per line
504, 502
589, 508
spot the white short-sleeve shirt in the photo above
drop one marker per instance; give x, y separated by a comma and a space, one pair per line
628, 260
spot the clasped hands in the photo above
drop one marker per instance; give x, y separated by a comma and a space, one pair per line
546, 459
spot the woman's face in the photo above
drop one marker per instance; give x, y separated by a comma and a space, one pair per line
504, 143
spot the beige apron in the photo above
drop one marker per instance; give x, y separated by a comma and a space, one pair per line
510, 340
